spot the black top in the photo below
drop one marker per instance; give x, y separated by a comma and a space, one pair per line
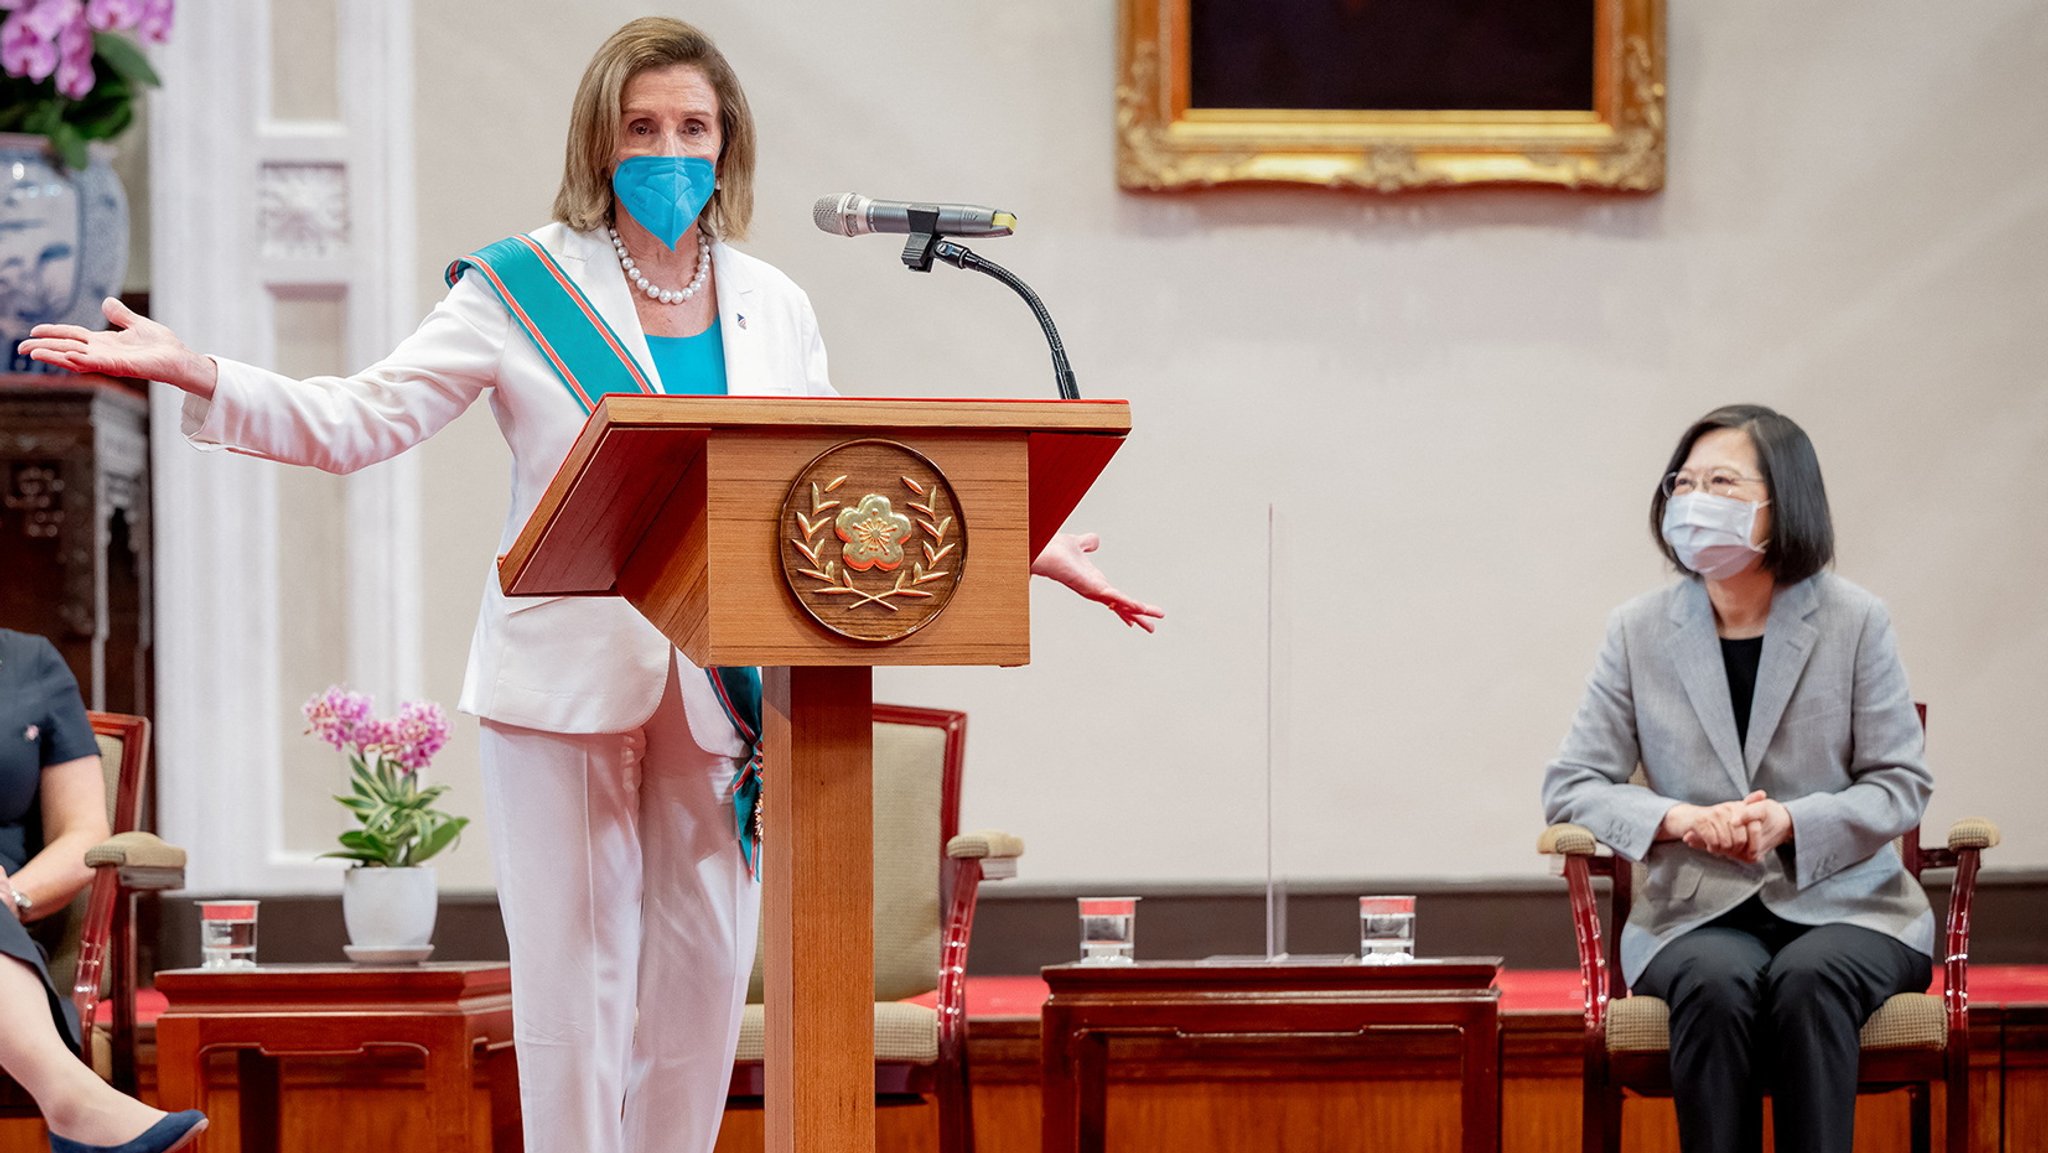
42, 723
1741, 659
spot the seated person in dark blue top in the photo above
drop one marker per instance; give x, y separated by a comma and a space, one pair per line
53, 807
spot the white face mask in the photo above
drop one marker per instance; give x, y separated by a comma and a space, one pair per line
1711, 533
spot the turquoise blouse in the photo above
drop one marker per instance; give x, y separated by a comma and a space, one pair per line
690, 365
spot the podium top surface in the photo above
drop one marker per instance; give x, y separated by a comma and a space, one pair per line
858, 412
633, 445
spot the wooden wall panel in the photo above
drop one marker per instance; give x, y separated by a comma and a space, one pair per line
369, 1103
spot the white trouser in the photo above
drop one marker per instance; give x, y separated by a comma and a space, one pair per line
625, 899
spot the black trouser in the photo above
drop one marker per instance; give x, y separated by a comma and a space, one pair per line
1760, 1004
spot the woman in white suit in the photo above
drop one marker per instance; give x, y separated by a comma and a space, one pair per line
1764, 700
607, 759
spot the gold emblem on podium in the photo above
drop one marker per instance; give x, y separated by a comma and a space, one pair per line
873, 543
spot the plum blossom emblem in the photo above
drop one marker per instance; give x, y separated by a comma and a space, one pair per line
874, 534
873, 567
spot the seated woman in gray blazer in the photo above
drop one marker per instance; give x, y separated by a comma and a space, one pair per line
1764, 701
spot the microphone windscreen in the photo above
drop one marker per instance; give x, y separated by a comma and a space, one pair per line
831, 214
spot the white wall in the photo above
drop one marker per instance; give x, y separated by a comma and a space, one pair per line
1459, 403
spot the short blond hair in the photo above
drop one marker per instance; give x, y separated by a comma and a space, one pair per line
585, 201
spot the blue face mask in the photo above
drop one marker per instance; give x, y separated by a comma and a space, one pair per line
664, 194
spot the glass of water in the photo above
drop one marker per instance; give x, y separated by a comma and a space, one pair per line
1386, 930
227, 934
1109, 930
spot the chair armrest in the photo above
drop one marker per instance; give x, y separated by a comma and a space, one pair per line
1967, 840
1972, 833
1568, 841
141, 860
970, 859
1576, 851
997, 852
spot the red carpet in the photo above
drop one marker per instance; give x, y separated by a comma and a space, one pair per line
1522, 991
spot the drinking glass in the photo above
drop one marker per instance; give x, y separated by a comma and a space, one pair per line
227, 934
1386, 930
1109, 930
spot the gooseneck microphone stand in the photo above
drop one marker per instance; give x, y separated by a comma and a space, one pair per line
926, 244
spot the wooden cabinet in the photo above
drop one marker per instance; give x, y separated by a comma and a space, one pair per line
75, 526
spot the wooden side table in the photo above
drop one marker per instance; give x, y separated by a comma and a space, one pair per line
1089, 1004
454, 1014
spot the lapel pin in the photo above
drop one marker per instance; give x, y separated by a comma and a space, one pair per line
31, 732
742, 318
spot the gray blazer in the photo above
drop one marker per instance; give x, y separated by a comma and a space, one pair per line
1832, 734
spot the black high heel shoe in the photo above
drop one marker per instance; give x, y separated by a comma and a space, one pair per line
175, 1131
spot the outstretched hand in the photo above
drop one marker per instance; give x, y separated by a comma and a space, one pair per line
135, 346
1065, 560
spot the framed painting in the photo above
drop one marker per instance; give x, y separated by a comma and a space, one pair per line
1391, 95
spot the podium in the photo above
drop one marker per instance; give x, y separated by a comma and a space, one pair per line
817, 538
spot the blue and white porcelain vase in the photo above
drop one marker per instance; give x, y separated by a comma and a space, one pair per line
63, 241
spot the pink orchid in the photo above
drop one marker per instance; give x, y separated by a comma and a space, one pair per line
52, 16
155, 21
24, 49
113, 15
409, 740
74, 64
338, 717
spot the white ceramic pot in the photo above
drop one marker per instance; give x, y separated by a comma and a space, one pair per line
389, 908
63, 241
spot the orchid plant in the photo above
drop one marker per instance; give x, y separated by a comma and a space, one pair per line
69, 74
399, 825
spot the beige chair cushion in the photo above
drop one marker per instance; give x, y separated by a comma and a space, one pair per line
135, 850
903, 1032
986, 845
1906, 1021
910, 772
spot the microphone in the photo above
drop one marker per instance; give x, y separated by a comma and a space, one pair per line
850, 214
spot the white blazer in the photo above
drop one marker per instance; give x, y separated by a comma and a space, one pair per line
560, 664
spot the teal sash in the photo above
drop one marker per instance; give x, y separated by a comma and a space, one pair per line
561, 322
591, 360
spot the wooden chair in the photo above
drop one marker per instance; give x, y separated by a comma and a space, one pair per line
92, 942
927, 877
1913, 1042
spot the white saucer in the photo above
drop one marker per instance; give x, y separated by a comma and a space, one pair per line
388, 954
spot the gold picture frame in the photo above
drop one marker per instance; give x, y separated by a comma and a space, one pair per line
1164, 145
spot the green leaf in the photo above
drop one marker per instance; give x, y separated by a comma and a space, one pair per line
42, 118
363, 858
360, 806
373, 785
443, 835
370, 845
70, 146
127, 61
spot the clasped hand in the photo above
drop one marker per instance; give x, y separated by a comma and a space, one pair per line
1741, 830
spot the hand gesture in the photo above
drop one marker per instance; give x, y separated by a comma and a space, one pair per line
1065, 560
1741, 830
1770, 825
136, 347
1720, 829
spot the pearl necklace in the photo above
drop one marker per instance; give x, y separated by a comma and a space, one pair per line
655, 292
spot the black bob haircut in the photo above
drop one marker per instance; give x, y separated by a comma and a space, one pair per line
1802, 540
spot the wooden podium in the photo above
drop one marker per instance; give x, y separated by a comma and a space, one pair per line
818, 538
